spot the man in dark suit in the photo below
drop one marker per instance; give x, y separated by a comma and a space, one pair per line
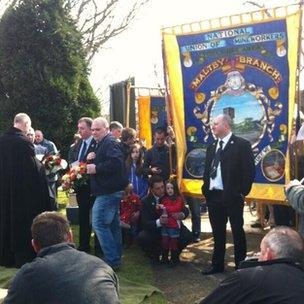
83, 194
151, 222
228, 176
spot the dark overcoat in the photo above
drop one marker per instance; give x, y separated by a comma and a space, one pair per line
23, 195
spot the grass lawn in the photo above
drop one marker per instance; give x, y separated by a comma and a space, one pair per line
136, 267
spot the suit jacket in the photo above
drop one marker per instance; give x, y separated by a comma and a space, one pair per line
149, 214
74, 156
237, 168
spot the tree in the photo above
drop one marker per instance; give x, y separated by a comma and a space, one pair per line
98, 21
43, 70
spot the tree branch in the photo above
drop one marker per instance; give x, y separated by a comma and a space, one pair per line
99, 21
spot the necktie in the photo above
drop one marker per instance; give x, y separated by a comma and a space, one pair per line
216, 160
82, 156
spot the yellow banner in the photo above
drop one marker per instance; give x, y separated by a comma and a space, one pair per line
144, 117
175, 52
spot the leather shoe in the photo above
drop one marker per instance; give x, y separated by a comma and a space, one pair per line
211, 271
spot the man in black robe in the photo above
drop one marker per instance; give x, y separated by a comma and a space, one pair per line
23, 193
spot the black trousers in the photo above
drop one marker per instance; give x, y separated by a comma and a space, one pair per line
218, 216
150, 240
195, 208
85, 203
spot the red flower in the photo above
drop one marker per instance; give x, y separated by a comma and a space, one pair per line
73, 176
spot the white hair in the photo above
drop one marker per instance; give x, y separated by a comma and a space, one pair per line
21, 118
285, 243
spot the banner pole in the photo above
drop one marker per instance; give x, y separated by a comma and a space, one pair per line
168, 108
298, 89
128, 103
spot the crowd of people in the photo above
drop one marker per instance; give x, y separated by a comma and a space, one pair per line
133, 195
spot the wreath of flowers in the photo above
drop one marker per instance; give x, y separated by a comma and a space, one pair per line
53, 163
76, 177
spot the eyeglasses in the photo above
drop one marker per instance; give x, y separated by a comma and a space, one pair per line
96, 129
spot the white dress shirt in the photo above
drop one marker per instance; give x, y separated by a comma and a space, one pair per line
217, 182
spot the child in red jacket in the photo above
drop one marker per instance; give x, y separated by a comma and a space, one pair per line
170, 204
130, 206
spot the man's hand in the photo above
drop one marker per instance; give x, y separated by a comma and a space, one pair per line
178, 216
91, 156
159, 206
91, 169
163, 220
155, 170
292, 183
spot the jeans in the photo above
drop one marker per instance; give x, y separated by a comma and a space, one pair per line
106, 224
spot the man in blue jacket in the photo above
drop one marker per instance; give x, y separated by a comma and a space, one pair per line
108, 180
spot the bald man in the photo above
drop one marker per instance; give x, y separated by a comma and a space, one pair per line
228, 176
23, 193
276, 277
108, 180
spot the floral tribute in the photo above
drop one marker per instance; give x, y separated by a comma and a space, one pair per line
53, 164
77, 176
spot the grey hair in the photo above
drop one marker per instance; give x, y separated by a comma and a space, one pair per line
285, 243
103, 121
115, 125
31, 131
21, 118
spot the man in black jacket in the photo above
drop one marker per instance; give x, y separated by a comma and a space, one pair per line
151, 222
157, 160
61, 274
108, 180
277, 278
23, 193
83, 193
228, 176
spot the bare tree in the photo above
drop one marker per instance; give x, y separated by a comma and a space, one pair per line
100, 21
97, 20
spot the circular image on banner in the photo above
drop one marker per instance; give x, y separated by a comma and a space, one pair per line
273, 165
195, 162
243, 102
154, 117
246, 113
